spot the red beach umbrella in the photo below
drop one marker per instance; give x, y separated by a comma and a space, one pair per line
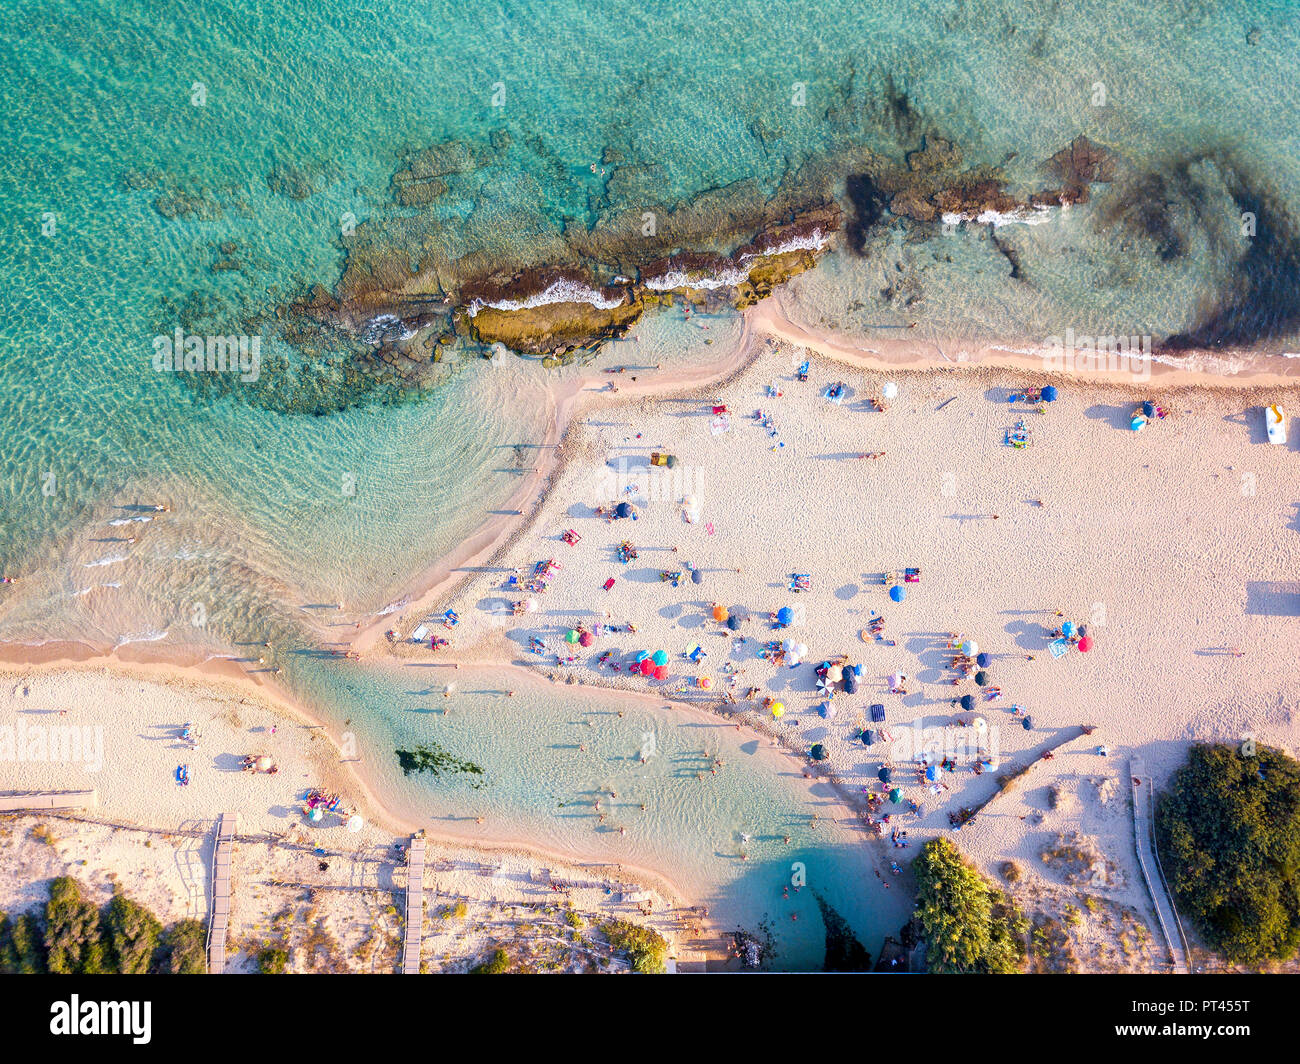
1085, 644
586, 639
647, 667
661, 672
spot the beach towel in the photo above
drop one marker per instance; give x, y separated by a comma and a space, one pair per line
877, 712
1058, 648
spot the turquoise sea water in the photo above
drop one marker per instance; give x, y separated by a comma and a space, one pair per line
115, 110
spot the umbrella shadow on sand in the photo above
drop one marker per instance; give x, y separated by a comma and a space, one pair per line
1028, 635
1117, 417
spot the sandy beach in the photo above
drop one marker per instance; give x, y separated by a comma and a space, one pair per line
1173, 546
342, 889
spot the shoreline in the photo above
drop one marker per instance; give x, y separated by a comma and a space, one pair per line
569, 400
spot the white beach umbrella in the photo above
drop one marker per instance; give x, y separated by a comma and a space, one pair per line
980, 724
889, 390
970, 647
531, 605
897, 680
355, 824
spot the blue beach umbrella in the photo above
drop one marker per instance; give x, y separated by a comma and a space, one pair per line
818, 752
733, 622
640, 656
896, 795
885, 774
623, 509
784, 615
659, 657
1049, 394
1149, 408
931, 773
982, 660
967, 702
1067, 629
897, 593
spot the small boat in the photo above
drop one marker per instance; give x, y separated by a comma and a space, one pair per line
1275, 421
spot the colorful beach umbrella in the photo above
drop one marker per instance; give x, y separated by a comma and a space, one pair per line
571, 636
835, 673
826, 710
720, 614
896, 795
1085, 644
970, 647
647, 667
586, 639
778, 710
661, 672
897, 593
1138, 423
660, 657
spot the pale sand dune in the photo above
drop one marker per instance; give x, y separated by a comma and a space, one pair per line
1174, 544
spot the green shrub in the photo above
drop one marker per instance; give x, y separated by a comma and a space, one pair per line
74, 935
968, 924
574, 920
497, 964
644, 945
184, 949
1228, 830
273, 960
22, 946
133, 934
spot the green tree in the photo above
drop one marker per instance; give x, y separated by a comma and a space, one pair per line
644, 945
184, 949
1228, 829
22, 948
133, 934
74, 936
968, 924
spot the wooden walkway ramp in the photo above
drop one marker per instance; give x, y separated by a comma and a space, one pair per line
1143, 832
35, 801
414, 906
219, 916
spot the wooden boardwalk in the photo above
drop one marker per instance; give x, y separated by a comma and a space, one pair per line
414, 906
35, 801
1170, 926
219, 916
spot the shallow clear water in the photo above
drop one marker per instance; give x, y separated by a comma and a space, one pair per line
112, 107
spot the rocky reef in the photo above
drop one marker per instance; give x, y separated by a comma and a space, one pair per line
432, 270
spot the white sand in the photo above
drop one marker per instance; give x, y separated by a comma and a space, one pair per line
154, 839
1173, 546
